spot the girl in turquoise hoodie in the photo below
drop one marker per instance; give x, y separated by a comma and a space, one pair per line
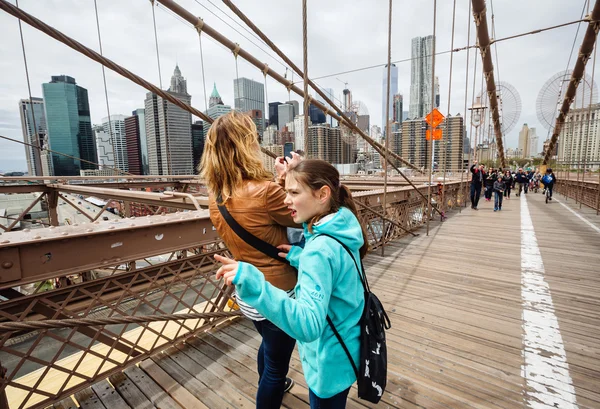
328, 282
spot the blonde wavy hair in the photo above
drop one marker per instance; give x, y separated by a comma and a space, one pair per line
231, 155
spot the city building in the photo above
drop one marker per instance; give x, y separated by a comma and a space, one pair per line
579, 139
273, 113
363, 122
169, 131
316, 115
270, 135
115, 128
216, 108
412, 145
397, 108
420, 77
104, 147
451, 147
136, 141
285, 114
249, 95
524, 142
329, 93
257, 118
299, 132
393, 92
533, 143
268, 161
33, 125
296, 106
326, 143
198, 139
69, 127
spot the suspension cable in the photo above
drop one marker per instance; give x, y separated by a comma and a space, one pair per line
202, 65
462, 155
387, 129
156, 43
445, 143
432, 141
110, 131
305, 61
37, 158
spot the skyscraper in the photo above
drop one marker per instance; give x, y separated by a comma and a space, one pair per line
33, 134
249, 95
273, 113
216, 108
421, 67
104, 147
215, 98
197, 143
316, 115
285, 114
330, 94
169, 131
533, 142
393, 91
296, 106
397, 111
115, 128
69, 126
524, 142
137, 143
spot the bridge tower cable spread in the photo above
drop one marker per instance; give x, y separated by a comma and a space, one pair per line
479, 13
585, 51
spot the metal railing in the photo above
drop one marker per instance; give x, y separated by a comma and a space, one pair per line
134, 267
586, 193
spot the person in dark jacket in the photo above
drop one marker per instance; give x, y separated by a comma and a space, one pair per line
498, 192
508, 183
477, 180
489, 184
549, 180
522, 181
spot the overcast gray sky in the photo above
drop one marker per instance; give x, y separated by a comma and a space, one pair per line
343, 35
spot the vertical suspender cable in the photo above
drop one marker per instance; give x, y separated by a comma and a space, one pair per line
445, 153
266, 106
202, 66
305, 60
462, 155
156, 44
387, 130
431, 142
587, 135
110, 130
36, 140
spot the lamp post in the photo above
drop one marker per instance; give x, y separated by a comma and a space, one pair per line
476, 112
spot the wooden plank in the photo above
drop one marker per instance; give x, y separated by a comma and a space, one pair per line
175, 390
109, 396
151, 389
88, 399
223, 389
130, 393
67, 403
188, 381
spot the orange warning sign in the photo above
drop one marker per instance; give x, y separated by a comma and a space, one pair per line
434, 118
437, 134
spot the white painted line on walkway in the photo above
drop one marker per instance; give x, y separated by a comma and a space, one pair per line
546, 371
578, 215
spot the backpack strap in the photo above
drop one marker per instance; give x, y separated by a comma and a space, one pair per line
259, 244
341, 341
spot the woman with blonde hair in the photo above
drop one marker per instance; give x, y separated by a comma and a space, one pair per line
240, 188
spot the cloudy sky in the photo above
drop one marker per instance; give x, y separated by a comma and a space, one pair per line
343, 36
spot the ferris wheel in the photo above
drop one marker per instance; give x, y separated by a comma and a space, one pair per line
552, 94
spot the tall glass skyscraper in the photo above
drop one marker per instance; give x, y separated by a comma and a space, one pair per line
393, 91
32, 112
248, 95
69, 126
420, 78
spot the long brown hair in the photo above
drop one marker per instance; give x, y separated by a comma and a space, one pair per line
231, 155
316, 173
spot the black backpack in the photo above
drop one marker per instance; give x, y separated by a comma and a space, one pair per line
372, 373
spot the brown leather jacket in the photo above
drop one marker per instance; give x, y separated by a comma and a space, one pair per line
258, 207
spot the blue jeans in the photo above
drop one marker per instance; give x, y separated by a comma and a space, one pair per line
335, 402
497, 200
273, 363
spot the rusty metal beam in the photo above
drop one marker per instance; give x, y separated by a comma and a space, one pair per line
40, 254
585, 51
155, 199
479, 12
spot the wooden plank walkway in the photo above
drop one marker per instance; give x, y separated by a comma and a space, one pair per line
466, 332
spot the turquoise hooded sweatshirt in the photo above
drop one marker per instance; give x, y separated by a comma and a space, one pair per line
328, 284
